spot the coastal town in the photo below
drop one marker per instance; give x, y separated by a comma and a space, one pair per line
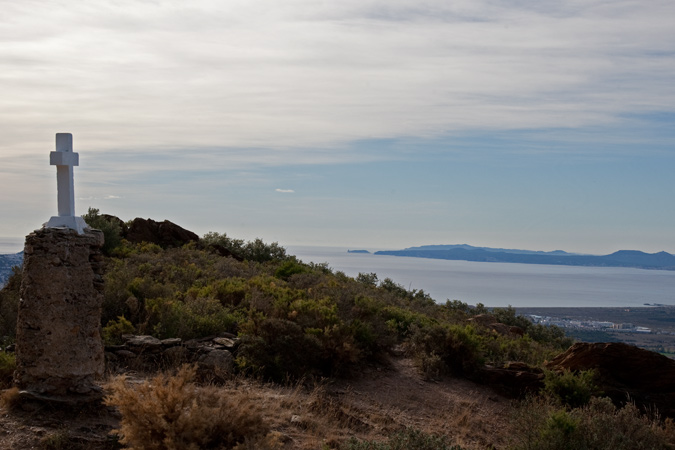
651, 326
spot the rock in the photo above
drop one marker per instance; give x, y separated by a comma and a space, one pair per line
148, 344
218, 361
483, 319
165, 234
176, 355
226, 342
490, 321
515, 379
172, 342
125, 354
648, 378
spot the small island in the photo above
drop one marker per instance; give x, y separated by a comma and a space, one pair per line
358, 251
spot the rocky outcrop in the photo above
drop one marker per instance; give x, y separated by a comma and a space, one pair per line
58, 345
490, 322
514, 379
165, 234
625, 372
213, 355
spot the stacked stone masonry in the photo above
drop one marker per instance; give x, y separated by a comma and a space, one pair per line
59, 346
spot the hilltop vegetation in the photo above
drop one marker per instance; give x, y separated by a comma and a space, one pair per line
304, 324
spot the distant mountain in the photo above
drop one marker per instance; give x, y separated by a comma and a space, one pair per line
622, 258
487, 249
6, 264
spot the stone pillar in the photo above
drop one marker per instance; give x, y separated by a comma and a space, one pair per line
58, 344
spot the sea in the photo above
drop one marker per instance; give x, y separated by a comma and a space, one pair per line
10, 245
492, 284
504, 284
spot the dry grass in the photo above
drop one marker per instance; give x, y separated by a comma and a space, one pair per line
10, 398
171, 412
174, 412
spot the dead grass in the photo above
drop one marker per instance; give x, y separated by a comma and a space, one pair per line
171, 412
374, 406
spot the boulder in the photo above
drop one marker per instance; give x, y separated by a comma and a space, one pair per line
140, 344
216, 364
165, 234
625, 372
514, 379
228, 343
484, 320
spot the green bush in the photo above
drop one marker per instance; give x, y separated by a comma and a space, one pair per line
499, 349
444, 349
551, 335
570, 388
289, 268
279, 349
255, 250
7, 367
115, 329
9, 306
188, 319
543, 425
111, 230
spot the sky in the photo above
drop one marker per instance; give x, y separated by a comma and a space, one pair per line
540, 125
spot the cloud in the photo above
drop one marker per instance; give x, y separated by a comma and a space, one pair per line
285, 191
308, 75
111, 197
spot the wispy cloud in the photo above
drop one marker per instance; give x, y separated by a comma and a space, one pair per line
285, 191
304, 74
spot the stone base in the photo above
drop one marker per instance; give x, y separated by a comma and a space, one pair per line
74, 223
58, 346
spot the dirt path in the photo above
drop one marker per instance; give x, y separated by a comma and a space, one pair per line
381, 401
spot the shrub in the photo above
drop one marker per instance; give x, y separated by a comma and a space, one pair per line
255, 250
542, 425
9, 305
289, 268
7, 367
408, 439
442, 349
403, 320
189, 318
115, 329
499, 349
279, 348
551, 335
569, 388
170, 412
111, 230
369, 279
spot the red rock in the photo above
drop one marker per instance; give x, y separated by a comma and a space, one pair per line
648, 378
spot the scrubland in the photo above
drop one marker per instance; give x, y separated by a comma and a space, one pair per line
324, 361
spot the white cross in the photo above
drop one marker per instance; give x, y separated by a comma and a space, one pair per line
65, 159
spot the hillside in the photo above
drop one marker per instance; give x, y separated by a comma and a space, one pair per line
282, 354
7, 262
621, 258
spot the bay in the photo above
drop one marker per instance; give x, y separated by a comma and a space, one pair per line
503, 284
